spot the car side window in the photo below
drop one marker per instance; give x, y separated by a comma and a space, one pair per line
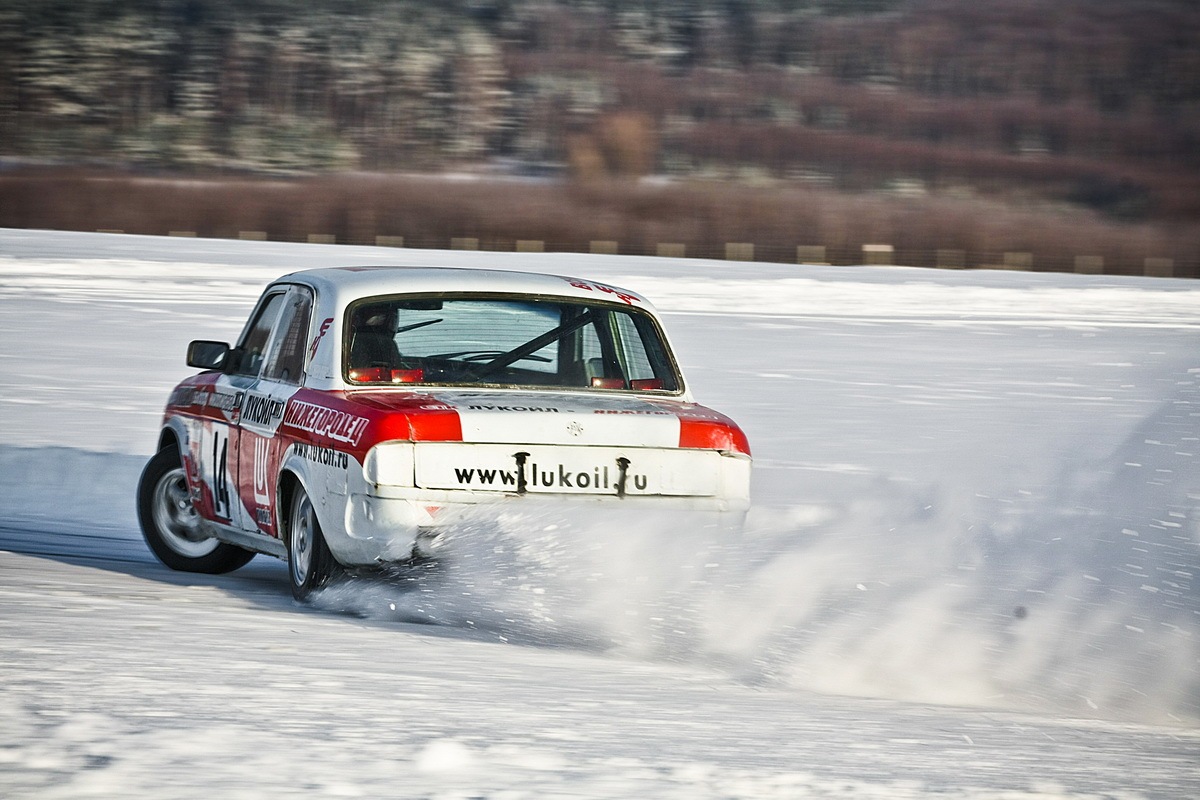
286, 362
250, 352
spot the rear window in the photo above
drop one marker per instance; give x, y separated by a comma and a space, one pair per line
527, 342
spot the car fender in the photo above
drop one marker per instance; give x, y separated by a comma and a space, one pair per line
325, 476
294, 467
176, 427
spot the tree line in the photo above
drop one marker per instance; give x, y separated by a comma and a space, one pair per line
1086, 102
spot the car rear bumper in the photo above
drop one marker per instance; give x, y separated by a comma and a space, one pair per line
409, 489
397, 522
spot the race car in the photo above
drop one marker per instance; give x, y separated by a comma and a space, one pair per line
364, 409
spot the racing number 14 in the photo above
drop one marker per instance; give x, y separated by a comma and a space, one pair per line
220, 473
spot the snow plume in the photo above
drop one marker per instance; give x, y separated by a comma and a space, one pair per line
1077, 595
908, 596
561, 576
1081, 603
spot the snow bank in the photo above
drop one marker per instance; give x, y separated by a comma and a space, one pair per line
61, 488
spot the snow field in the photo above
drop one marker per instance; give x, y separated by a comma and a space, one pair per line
974, 489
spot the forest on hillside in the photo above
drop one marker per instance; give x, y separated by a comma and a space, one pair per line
1053, 104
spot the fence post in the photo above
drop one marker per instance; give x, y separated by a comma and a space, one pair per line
670, 250
321, 238
464, 243
739, 251
603, 247
530, 246
878, 254
253, 236
389, 241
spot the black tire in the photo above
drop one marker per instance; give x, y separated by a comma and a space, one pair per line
171, 525
310, 564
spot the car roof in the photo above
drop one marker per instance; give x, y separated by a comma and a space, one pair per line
344, 285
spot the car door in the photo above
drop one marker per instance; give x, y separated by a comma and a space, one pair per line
215, 453
279, 376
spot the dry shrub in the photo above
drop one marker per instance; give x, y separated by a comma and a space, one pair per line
618, 145
429, 211
584, 158
629, 142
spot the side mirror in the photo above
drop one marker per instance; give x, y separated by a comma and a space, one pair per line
207, 355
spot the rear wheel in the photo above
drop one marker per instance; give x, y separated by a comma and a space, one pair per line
310, 564
171, 525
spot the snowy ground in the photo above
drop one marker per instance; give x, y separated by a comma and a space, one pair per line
971, 568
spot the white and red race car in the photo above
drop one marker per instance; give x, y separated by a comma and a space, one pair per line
363, 408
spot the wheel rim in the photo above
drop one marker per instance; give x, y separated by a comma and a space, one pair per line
300, 539
176, 519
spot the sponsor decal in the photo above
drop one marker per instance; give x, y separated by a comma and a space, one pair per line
556, 476
262, 411
262, 515
323, 421
487, 477
189, 396
512, 408
262, 472
312, 350
224, 401
639, 411
326, 456
185, 396
592, 286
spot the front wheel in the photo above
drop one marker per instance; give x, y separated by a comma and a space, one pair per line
310, 564
171, 525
